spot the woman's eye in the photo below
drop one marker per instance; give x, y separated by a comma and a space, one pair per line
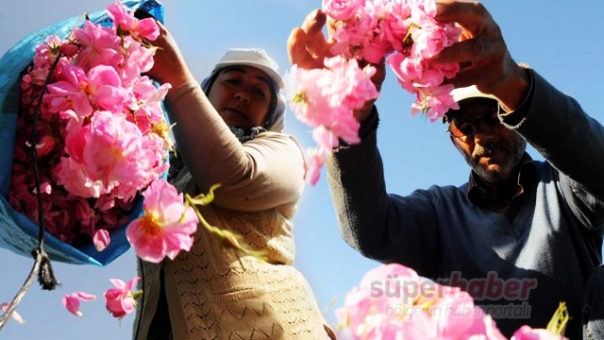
231, 81
259, 93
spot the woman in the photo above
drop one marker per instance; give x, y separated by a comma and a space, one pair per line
229, 132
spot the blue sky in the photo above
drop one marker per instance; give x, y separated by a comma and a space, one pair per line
561, 40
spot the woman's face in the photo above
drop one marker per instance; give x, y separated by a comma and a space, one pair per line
241, 95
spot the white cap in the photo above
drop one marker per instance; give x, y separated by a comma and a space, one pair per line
254, 57
463, 93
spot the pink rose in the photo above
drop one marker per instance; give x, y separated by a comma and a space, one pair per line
527, 333
120, 301
342, 9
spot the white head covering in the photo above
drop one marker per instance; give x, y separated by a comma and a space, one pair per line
257, 58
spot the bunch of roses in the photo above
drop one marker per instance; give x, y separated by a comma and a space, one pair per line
102, 141
393, 302
405, 33
328, 105
102, 136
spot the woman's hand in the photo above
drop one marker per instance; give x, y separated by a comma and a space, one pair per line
306, 45
307, 48
169, 64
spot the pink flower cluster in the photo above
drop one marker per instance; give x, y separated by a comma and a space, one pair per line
102, 136
163, 231
406, 33
393, 302
326, 99
103, 140
119, 301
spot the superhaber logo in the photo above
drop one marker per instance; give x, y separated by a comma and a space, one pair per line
492, 287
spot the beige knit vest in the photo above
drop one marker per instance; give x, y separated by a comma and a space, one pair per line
215, 292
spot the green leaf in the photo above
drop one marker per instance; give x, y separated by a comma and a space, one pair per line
557, 324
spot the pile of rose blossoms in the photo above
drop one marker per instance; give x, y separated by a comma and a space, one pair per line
325, 99
405, 34
393, 302
102, 142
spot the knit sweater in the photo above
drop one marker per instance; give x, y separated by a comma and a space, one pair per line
519, 269
214, 292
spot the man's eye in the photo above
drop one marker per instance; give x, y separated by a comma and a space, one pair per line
465, 125
491, 116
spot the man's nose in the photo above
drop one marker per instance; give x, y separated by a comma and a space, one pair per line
482, 131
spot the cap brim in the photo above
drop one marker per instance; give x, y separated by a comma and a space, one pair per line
469, 92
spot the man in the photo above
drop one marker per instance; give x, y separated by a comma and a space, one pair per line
521, 236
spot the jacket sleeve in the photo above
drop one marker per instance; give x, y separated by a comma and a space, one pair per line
263, 173
572, 142
384, 227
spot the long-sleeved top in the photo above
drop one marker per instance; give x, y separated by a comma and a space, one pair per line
592, 318
211, 291
518, 269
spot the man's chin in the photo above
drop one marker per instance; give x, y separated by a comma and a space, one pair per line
491, 173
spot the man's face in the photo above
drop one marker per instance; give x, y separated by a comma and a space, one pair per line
493, 151
241, 95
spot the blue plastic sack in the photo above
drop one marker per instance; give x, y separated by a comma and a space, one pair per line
17, 232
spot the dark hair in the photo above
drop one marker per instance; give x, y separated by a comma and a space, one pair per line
448, 116
271, 115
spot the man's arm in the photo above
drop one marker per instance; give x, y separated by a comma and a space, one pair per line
380, 226
573, 142
555, 124
394, 228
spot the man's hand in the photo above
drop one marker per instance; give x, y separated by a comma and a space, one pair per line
307, 47
482, 53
